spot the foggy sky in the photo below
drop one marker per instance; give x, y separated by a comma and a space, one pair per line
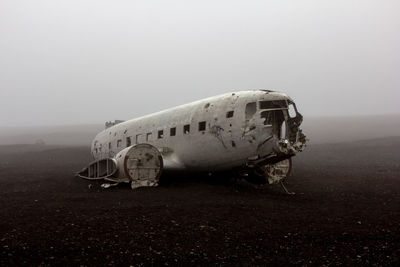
72, 62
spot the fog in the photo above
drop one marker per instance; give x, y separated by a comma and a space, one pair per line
85, 62
318, 130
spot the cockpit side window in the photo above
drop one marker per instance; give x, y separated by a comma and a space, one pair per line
251, 109
292, 111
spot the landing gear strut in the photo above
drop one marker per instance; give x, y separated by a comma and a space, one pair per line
287, 191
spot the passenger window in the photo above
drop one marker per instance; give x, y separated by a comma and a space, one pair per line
251, 109
149, 137
186, 129
202, 126
172, 131
160, 134
229, 114
119, 142
128, 141
138, 138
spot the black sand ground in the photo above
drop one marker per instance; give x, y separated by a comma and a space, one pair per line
346, 211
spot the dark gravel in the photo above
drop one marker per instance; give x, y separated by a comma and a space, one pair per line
346, 211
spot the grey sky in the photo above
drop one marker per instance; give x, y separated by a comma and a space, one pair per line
69, 62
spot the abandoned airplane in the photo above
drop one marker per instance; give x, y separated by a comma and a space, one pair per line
254, 132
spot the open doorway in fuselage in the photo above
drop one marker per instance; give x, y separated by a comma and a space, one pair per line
276, 119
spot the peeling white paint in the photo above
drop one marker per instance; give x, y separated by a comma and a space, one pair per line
236, 134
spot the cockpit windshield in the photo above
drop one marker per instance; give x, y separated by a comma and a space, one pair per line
274, 104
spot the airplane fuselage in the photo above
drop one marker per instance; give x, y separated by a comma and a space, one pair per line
218, 133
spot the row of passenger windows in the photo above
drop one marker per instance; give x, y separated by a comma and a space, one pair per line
160, 134
250, 110
140, 138
172, 132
